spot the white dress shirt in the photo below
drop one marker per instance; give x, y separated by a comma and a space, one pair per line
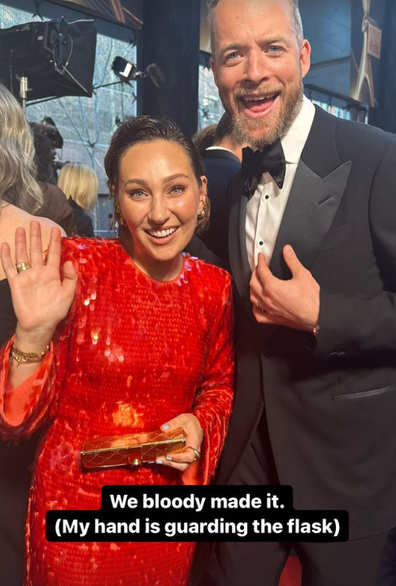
216, 148
266, 207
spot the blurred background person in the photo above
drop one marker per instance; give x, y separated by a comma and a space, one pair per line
55, 205
80, 185
222, 161
20, 196
44, 155
204, 138
225, 141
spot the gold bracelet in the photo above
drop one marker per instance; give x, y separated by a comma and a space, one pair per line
26, 357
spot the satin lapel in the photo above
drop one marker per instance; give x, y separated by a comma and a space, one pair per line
312, 205
239, 262
315, 196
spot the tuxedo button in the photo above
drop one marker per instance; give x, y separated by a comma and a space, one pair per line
337, 354
267, 197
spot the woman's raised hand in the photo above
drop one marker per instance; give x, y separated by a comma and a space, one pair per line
40, 298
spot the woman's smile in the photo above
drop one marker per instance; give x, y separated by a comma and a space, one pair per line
160, 199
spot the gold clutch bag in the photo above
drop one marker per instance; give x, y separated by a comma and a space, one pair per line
132, 449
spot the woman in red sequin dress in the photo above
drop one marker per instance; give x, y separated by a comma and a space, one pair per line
140, 338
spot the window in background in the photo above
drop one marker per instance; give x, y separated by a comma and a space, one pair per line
86, 124
210, 108
344, 110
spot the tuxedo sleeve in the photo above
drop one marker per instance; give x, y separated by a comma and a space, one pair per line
355, 325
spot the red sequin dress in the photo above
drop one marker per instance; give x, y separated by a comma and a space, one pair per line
132, 354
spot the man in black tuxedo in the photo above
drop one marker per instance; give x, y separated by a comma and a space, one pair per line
222, 162
312, 248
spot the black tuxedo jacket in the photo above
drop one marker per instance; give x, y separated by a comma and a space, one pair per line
220, 167
330, 405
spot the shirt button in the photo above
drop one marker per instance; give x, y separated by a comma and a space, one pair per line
261, 243
267, 197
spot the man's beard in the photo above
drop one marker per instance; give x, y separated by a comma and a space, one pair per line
256, 132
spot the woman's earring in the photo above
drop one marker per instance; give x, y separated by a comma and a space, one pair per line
121, 220
201, 214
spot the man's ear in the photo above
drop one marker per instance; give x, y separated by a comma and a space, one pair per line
213, 67
305, 57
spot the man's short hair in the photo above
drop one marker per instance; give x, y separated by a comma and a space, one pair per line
298, 26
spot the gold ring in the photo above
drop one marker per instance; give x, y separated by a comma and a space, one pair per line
23, 266
197, 454
259, 306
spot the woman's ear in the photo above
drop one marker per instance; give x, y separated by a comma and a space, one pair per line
203, 194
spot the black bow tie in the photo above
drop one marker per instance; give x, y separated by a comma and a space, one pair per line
269, 160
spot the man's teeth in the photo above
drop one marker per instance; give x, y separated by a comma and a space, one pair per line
262, 99
162, 233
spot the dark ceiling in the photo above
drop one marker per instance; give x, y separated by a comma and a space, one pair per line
327, 26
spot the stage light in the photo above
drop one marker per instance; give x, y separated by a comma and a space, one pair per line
124, 69
54, 58
127, 71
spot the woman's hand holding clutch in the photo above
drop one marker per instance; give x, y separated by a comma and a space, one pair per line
182, 460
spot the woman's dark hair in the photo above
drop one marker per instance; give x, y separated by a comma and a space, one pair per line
146, 129
44, 158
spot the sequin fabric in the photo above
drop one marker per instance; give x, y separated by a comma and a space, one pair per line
132, 354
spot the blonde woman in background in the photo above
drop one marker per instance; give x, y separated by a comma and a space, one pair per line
80, 185
20, 196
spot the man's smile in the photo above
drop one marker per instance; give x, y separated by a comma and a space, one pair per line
259, 105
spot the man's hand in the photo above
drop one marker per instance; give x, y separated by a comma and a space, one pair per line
294, 303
